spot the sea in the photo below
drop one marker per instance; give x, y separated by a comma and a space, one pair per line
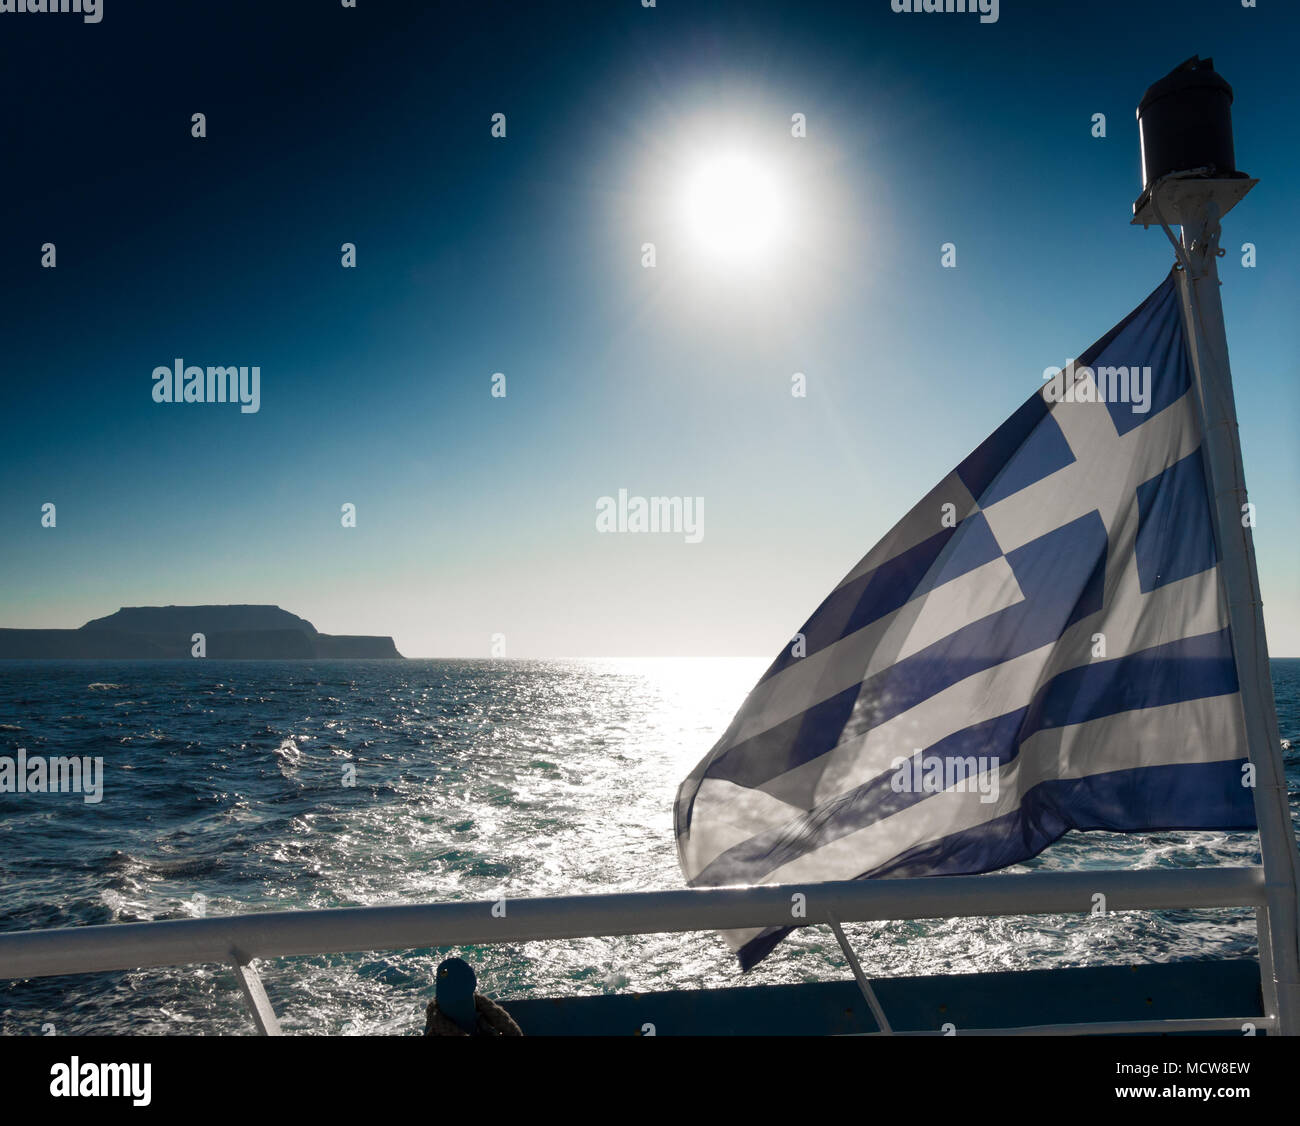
251, 786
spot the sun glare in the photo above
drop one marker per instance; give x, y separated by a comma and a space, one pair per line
733, 207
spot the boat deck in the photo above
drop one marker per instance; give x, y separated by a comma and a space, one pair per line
984, 1002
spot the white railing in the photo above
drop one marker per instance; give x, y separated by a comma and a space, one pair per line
238, 939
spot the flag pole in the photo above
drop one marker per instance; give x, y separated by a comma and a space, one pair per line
1191, 181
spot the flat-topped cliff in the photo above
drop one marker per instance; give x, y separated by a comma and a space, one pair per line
167, 632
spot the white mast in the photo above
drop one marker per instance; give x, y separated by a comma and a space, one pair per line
1190, 180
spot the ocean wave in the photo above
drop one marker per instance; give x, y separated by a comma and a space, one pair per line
453, 780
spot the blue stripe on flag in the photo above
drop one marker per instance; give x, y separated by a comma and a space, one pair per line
1152, 336
1026, 448
1191, 668
1176, 531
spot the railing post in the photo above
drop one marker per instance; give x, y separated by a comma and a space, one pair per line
259, 1005
873, 1002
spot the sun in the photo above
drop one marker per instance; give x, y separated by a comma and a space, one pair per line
732, 206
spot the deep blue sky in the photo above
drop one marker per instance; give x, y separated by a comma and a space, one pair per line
477, 515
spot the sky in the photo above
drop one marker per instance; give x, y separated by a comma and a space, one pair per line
524, 254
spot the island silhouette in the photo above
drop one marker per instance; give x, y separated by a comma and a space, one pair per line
168, 633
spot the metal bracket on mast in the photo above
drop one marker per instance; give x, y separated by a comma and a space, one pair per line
1179, 197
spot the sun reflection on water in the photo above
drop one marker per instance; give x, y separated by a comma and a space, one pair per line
473, 779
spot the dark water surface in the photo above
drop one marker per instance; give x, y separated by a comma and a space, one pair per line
243, 785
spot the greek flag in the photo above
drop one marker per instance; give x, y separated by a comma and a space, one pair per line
1040, 645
